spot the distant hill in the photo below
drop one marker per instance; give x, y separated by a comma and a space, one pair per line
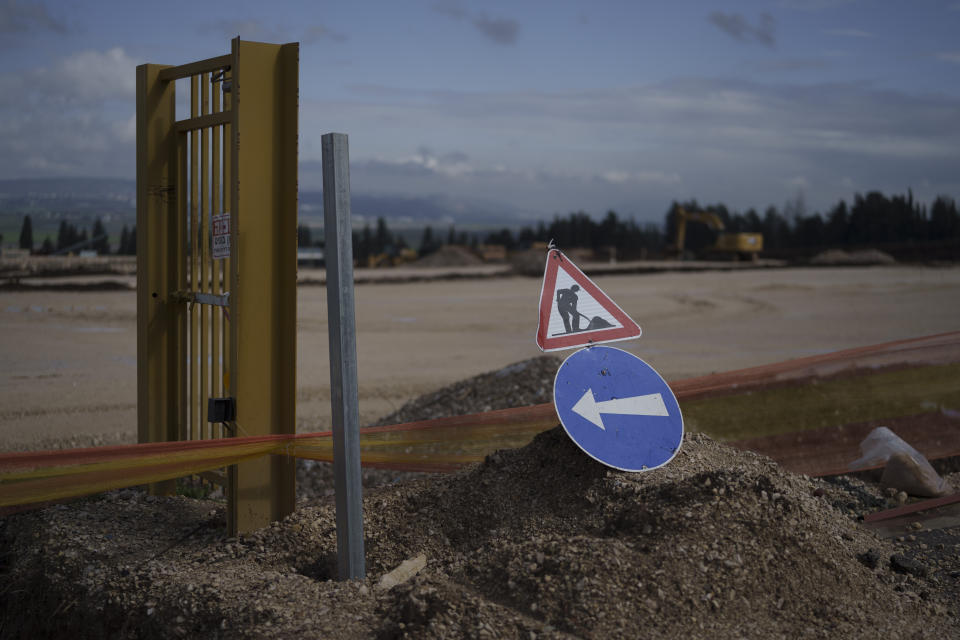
410, 211
68, 188
68, 196
81, 200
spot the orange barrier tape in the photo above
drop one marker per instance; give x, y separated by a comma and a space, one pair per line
936, 349
444, 444
909, 509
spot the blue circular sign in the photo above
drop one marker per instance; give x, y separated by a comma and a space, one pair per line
618, 409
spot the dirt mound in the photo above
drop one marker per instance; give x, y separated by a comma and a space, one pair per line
529, 262
838, 257
718, 544
540, 541
449, 256
520, 384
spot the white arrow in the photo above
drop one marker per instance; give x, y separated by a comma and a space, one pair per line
648, 405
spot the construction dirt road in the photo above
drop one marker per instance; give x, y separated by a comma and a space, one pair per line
68, 359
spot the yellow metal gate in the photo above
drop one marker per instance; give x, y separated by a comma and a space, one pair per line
216, 262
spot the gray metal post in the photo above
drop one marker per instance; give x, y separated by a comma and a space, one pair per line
343, 356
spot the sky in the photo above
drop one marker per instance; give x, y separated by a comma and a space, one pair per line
530, 108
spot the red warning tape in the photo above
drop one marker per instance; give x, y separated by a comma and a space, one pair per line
444, 444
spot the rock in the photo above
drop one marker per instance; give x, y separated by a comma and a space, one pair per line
406, 570
902, 564
870, 559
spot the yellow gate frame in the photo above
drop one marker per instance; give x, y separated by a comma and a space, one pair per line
189, 347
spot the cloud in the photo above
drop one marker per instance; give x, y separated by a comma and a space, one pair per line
629, 148
508, 190
425, 161
632, 147
450, 9
249, 29
849, 33
262, 31
814, 5
949, 56
319, 32
737, 27
640, 177
75, 117
95, 75
797, 182
498, 30
18, 18
793, 64
83, 78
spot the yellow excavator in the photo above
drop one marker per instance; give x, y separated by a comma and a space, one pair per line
739, 245
393, 258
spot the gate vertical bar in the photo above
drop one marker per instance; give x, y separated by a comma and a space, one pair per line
217, 312
204, 251
182, 242
338, 235
158, 338
194, 309
225, 268
229, 363
263, 295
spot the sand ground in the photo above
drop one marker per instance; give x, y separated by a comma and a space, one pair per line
68, 359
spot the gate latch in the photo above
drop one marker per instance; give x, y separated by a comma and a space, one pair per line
203, 298
221, 410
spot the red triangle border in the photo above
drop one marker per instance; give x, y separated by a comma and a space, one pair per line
555, 261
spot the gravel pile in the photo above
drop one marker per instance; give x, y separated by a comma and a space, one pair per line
449, 256
536, 542
518, 385
839, 257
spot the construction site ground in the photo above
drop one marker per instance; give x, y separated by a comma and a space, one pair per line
68, 358
536, 542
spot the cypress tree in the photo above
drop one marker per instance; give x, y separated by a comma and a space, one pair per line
26, 234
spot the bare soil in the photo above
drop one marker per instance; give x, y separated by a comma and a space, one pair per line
535, 542
68, 359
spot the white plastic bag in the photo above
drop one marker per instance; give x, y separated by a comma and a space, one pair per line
877, 448
906, 468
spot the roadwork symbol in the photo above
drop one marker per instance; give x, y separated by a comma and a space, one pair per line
574, 312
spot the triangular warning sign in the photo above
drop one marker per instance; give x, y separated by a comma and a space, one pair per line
574, 312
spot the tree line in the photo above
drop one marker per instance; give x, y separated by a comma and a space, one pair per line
872, 218
70, 238
380, 240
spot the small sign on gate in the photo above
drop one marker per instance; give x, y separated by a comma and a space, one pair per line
221, 236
